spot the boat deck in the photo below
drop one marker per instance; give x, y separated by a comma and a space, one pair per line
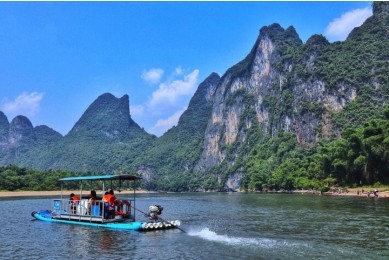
88, 218
64, 209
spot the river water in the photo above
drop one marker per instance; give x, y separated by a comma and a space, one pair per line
217, 225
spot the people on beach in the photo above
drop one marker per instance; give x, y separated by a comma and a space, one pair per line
368, 194
376, 194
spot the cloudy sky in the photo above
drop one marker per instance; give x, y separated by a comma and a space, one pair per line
56, 58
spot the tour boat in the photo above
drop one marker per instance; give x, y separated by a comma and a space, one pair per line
98, 212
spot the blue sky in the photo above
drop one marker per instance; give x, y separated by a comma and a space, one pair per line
56, 58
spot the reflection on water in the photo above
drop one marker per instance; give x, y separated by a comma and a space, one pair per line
227, 226
106, 242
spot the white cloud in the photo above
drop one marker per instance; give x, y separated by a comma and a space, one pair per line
163, 125
136, 110
339, 28
152, 76
25, 104
168, 92
178, 71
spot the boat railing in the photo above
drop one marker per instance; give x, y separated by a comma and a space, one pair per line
93, 211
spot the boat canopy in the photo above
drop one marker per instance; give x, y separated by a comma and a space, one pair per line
103, 177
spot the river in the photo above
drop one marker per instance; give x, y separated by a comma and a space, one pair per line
217, 225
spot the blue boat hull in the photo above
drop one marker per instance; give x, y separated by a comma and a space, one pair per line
46, 216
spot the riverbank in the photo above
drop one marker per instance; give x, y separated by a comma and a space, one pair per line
57, 193
351, 192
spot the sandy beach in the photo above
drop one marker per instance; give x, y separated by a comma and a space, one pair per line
352, 192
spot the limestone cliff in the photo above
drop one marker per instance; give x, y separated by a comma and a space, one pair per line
4, 128
284, 85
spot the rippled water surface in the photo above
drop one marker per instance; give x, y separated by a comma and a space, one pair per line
218, 225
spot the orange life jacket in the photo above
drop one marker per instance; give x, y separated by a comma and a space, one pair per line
75, 198
109, 198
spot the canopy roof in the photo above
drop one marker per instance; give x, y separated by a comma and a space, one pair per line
102, 177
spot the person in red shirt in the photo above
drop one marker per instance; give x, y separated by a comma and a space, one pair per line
74, 200
109, 204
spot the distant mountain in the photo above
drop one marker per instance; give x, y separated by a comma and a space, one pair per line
289, 115
107, 117
20, 141
104, 139
174, 155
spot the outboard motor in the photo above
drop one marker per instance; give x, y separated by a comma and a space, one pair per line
154, 212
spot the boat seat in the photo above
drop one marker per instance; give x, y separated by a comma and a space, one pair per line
82, 207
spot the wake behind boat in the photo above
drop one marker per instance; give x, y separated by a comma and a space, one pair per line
103, 211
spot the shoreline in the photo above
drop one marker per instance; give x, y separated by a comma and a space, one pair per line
66, 193
353, 192
350, 193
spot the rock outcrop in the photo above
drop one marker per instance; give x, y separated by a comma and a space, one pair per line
4, 128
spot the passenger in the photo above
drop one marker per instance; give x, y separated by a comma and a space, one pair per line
92, 201
109, 197
113, 197
106, 196
119, 205
109, 205
74, 201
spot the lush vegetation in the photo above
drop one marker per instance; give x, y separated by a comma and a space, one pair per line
280, 163
360, 157
14, 178
18, 178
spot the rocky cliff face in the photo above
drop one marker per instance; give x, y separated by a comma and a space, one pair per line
242, 91
280, 87
4, 128
20, 130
